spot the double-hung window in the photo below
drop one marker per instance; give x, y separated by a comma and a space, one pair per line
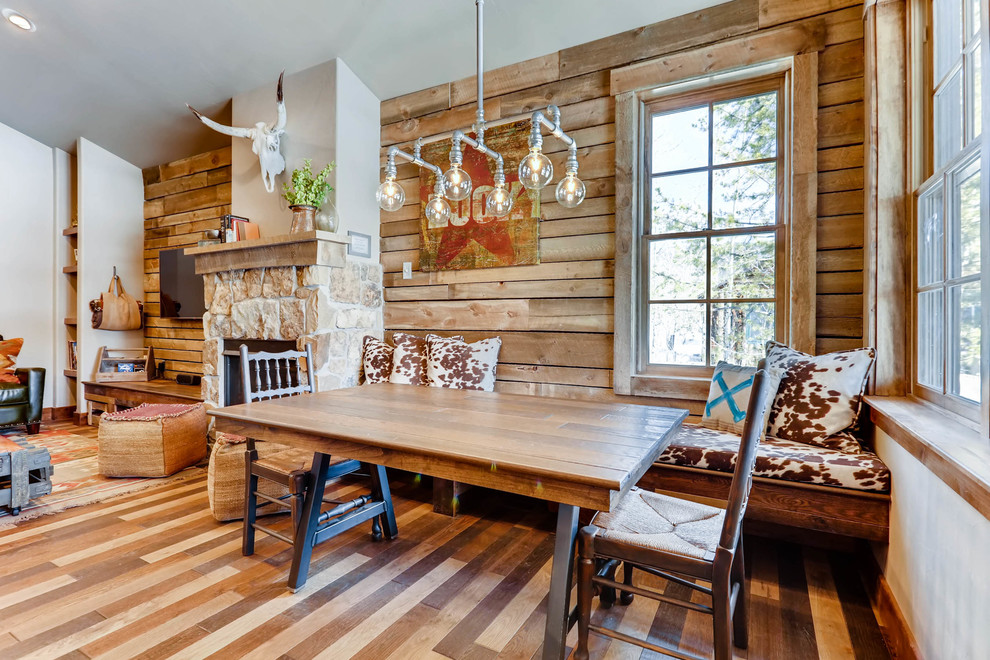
949, 221
710, 267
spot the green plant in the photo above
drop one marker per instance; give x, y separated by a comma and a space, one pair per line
307, 189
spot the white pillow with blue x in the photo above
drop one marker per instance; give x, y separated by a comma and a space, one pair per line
728, 396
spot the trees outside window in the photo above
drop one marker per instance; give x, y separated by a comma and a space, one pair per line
711, 243
948, 289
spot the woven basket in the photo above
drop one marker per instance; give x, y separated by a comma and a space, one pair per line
152, 440
225, 477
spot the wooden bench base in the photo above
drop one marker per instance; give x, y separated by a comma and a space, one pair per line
841, 511
25, 474
447, 496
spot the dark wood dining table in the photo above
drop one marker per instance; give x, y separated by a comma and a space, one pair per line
575, 453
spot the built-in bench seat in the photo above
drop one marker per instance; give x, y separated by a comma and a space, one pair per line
843, 488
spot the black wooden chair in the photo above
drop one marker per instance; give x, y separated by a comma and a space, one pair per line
275, 375
677, 540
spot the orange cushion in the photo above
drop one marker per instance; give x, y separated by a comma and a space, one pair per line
9, 349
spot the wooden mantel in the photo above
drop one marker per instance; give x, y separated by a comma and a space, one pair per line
311, 248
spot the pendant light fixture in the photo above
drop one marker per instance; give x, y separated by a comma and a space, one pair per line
535, 170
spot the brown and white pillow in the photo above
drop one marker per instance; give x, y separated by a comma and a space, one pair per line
453, 363
9, 350
409, 359
377, 360
819, 396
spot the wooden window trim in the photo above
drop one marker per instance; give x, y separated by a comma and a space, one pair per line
950, 446
797, 263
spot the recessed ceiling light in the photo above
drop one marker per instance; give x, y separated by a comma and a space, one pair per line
18, 20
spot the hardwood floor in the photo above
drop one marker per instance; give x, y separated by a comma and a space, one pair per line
152, 575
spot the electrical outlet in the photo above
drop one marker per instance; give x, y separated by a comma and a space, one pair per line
407, 270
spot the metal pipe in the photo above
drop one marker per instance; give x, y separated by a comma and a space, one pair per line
480, 128
459, 137
415, 160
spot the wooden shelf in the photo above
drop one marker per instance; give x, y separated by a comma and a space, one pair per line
71, 373
311, 248
70, 320
71, 231
69, 270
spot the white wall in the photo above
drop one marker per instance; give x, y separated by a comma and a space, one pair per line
937, 562
111, 233
331, 115
27, 267
310, 133
358, 129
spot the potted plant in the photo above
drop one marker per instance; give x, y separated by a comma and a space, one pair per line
306, 194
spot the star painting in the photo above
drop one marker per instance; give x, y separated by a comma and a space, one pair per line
471, 239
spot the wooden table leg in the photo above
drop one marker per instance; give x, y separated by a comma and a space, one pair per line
302, 545
559, 604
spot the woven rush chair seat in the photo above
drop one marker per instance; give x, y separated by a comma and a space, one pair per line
658, 522
152, 440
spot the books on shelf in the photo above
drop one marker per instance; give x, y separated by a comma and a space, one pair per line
73, 361
234, 228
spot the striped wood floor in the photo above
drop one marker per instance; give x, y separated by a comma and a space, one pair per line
152, 575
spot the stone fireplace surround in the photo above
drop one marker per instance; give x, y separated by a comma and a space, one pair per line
321, 298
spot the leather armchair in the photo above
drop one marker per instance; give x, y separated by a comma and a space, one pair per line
22, 403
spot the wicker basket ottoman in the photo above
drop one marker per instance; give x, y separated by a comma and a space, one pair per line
225, 480
152, 440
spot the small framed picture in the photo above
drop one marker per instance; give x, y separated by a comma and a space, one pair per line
360, 245
127, 367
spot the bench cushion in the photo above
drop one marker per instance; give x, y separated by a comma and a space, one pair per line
844, 463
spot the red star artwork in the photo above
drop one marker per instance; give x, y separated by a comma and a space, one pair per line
471, 239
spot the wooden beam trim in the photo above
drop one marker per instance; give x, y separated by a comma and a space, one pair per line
728, 55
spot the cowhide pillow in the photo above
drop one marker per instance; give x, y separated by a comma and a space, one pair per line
729, 394
455, 364
819, 396
409, 359
377, 360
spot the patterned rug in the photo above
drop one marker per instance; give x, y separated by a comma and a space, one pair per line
76, 480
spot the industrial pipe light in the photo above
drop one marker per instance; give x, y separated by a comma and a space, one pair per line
535, 170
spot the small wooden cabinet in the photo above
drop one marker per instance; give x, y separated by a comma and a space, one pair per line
124, 365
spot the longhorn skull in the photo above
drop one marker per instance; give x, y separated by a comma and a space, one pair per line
264, 138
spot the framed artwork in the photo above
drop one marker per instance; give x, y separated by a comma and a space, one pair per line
472, 239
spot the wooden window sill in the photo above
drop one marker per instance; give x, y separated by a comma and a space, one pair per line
951, 449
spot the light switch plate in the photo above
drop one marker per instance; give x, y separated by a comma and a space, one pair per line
407, 270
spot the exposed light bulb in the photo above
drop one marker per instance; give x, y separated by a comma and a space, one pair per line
535, 170
456, 184
499, 202
570, 191
390, 195
437, 212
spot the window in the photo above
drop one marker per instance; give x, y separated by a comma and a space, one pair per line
712, 227
949, 269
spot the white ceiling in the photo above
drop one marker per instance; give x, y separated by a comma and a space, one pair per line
118, 72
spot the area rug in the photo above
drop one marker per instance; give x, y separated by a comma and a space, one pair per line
76, 480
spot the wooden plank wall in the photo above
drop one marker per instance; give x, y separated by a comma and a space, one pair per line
555, 319
183, 199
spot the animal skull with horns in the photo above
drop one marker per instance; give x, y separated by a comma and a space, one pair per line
264, 138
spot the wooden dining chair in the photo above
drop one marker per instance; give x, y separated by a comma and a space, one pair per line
275, 375
680, 541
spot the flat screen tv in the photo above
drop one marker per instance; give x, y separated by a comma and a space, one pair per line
181, 288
